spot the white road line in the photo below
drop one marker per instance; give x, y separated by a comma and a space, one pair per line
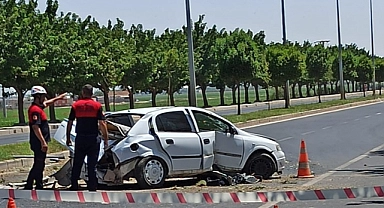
345, 122
315, 114
309, 132
327, 127
360, 157
357, 119
378, 113
367, 116
285, 139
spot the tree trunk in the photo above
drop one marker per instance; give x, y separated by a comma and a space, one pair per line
380, 88
353, 86
246, 92
154, 93
52, 113
363, 89
300, 90
267, 93
319, 91
222, 91
106, 99
325, 88
257, 95
332, 90
277, 92
171, 96
204, 93
20, 105
308, 90
131, 98
238, 99
293, 90
234, 94
348, 86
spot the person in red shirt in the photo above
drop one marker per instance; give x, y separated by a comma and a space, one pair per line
89, 117
39, 135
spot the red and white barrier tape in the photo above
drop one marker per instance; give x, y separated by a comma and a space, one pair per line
209, 198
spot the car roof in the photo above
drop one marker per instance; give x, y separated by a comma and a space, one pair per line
138, 111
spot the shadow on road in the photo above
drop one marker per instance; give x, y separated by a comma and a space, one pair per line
377, 153
366, 202
377, 170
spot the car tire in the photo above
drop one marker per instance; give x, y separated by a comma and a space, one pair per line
150, 172
260, 165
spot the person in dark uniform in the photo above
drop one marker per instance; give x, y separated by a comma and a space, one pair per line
39, 134
89, 117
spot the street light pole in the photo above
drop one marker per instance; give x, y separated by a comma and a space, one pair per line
373, 51
192, 85
342, 94
286, 91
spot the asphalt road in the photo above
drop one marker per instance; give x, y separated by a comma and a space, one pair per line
356, 203
332, 139
16, 138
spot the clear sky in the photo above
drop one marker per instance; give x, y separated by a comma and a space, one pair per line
305, 19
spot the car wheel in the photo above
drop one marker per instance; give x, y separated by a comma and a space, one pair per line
261, 165
150, 172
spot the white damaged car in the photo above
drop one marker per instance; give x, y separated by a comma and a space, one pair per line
152, 144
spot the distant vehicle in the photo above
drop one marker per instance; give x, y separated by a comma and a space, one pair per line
152, 144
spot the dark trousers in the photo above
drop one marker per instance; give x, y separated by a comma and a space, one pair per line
36, 173
86, 145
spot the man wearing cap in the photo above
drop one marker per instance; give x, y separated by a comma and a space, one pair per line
89, 117
39, 135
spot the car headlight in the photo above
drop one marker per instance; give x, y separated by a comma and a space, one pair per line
278, 148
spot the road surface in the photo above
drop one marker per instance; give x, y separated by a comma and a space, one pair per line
355, 203
331, 139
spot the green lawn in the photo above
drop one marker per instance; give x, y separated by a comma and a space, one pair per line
7, 151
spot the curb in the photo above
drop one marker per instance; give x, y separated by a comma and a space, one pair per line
108, 197
9, 165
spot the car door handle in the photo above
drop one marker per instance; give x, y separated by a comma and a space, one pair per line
169, 141
206, 141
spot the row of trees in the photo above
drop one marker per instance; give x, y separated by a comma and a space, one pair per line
63, 52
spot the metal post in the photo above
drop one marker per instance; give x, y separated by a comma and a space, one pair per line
4, 104
373, 51
342, 94
192, 85
286, 91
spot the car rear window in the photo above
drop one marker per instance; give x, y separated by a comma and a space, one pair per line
173, 122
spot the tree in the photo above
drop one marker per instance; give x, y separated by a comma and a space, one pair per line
20, 43
238, 58
319, 66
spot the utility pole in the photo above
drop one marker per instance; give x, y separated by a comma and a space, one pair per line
373, 51
192, 85
286, 91
342, 93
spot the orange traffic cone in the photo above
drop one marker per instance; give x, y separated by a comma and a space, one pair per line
11, 203
303, 170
